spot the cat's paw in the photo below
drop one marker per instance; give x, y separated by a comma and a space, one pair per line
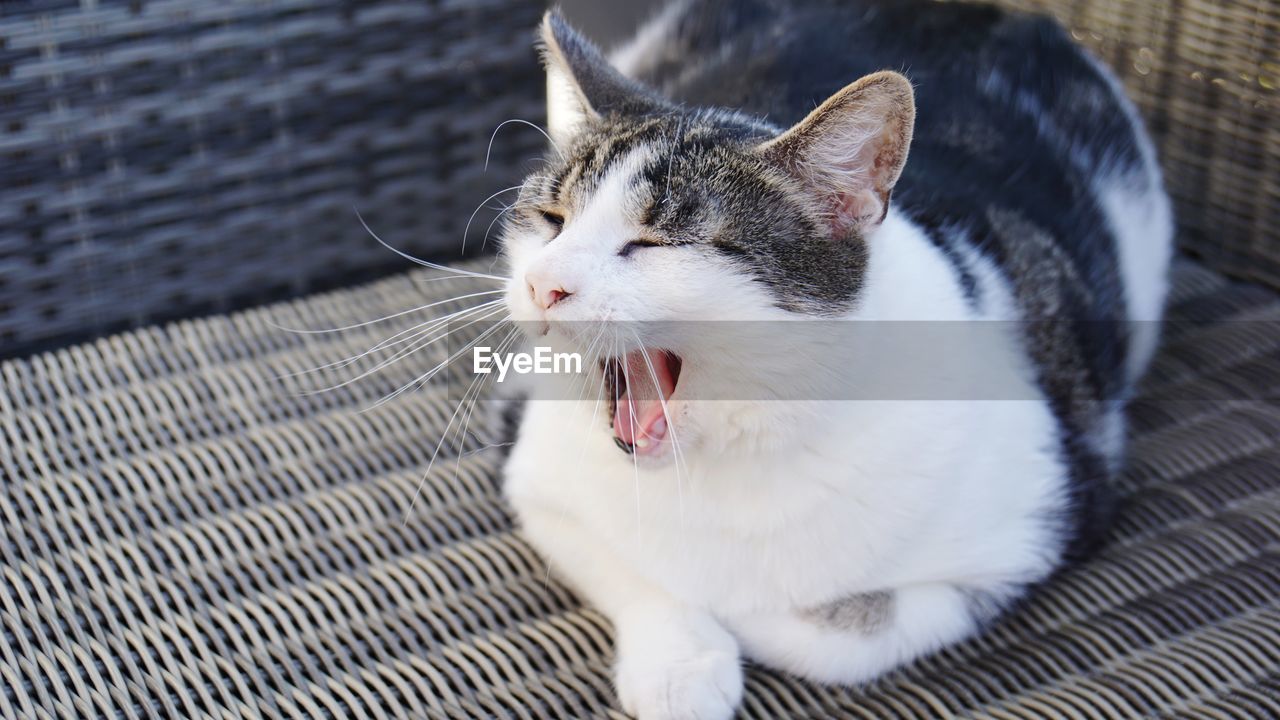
679, 668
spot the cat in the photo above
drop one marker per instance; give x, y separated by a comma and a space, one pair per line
752, 163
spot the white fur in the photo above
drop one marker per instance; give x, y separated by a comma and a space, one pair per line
1140, 216
566, 111
1136, 207
774, 507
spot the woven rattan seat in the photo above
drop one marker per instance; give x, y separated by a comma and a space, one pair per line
188, 530
186, 535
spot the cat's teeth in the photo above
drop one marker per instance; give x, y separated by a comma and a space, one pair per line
643, 442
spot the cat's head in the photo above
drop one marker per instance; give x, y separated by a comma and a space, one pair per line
648, 214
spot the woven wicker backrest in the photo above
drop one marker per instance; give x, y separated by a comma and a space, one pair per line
161, 158
1206, 75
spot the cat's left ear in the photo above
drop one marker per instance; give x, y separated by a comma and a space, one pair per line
851, 149
582, 84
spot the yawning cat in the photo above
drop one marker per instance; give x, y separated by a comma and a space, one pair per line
743, 167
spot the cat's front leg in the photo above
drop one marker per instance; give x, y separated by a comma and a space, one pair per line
675, 662
672, 661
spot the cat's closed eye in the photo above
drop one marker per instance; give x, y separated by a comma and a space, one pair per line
633, 245
554, 219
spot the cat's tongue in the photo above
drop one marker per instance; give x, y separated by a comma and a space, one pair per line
639, 420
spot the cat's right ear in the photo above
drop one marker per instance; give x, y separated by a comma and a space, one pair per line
851, 149
581, 83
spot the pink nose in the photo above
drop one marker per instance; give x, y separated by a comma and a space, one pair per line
545, 294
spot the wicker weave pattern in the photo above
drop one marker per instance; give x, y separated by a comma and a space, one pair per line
182, 535
161, 158
1206, 75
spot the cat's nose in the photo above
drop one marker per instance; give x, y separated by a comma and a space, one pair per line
545, 294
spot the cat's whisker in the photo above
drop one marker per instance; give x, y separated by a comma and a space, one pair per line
635, 462
459, 435
400, 355
423, 379
421, 329
367, 323
467, 229
485, 240
589, 355
436, 453
509, 341
432, 325
488, 446
420, 261
476, 388
677, 454
535, 126
666, 195
443, 277
500, 348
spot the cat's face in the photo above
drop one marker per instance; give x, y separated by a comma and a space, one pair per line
668, 219
648, 219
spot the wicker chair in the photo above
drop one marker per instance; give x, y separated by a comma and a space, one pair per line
183, 534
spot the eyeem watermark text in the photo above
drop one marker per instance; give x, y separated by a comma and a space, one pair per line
542, 361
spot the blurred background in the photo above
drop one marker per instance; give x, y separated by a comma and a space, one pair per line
163, 159
608, 23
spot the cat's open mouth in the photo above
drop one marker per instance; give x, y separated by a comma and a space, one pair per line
638, 386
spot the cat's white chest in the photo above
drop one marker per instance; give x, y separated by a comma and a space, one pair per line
690, 532
899, 501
